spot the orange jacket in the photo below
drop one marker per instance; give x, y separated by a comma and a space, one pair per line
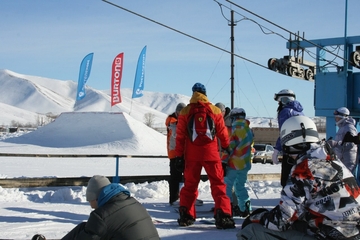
171, 122
192, 152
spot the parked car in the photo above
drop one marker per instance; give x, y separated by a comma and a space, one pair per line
263, 153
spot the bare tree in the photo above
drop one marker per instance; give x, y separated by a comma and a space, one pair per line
149, 119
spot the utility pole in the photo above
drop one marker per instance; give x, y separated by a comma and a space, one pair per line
232, 24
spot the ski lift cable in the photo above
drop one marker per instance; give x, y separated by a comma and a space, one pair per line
185, 34
222, 53
278, 34
256, 88
284, 29
240, 89
212, 99
329, 62
252, 80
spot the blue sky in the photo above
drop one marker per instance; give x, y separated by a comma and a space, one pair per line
50, 38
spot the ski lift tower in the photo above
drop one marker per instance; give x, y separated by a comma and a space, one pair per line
340, 88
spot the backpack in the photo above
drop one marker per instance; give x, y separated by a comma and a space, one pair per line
201, 125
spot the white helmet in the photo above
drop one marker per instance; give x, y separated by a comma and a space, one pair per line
285, 96
297, 133
237, 112
342, 112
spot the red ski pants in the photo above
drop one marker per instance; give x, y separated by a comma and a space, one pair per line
189, 192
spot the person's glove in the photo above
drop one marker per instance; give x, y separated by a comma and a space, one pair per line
257, 216
273, 220
350, 138
275, 158
227, 150
179, 163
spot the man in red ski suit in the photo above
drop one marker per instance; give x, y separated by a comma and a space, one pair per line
207, 156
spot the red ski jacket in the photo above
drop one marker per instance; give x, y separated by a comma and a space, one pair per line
209, 151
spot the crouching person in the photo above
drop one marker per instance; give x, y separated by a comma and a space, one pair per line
322, 199
117, 215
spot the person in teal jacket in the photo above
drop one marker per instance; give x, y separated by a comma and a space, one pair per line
239, 161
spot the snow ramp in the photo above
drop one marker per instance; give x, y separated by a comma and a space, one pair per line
108, 132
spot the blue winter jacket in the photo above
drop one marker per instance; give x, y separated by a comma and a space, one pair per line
291, 109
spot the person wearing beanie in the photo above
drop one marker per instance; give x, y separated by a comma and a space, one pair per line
199, 149
225, 111
200, 88
175, 173
116, 214
238, 162
222, 107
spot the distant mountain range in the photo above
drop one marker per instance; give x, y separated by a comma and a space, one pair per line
30, 99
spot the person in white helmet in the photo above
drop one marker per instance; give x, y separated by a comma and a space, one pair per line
346, 152
322, 199
288, 107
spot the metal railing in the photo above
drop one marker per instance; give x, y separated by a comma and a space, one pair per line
82, 181
115, 179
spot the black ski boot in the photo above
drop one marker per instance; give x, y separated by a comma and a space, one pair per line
185, 218
38, 237
245, 213
223, 220
236, 211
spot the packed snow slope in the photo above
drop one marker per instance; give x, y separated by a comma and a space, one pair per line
90, 132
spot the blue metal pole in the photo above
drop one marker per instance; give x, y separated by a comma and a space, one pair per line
345, 41
117, 178
330, 127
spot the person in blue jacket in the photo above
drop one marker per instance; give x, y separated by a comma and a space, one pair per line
288, 107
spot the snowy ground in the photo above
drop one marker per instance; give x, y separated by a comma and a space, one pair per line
56, 210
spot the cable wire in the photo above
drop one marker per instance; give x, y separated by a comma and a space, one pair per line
278, 34
216, 64
251, 20
185, 34
257, 90
284, 29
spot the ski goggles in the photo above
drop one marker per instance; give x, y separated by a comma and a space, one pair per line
336, 113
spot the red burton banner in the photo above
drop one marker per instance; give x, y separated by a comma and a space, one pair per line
116, 74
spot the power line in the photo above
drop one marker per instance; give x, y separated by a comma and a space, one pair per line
216, 64
185, 34
314, 44
257, 90
310, 53
251, 20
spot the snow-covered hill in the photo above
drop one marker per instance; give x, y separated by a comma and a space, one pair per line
25, 99
30, 99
